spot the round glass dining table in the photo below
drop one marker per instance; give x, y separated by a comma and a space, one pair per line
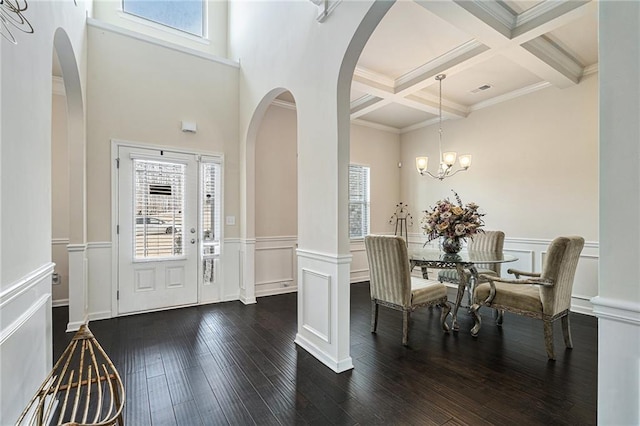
469, 260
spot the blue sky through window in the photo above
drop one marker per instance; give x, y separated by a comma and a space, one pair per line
183, 15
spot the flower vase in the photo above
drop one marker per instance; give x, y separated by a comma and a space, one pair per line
451, 245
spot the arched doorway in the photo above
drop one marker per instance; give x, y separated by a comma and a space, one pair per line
76, 180
253, 171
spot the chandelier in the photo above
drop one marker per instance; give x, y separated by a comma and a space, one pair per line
448, 159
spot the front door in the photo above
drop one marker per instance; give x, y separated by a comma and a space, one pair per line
157, 220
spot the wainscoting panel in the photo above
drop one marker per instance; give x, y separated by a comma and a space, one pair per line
25, 340
275, 265
316, 303
232, 267
99, 282
525, 262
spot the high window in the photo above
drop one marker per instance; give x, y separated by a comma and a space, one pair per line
358, 201
183, 15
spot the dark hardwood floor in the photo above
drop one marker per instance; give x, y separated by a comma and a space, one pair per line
233, 364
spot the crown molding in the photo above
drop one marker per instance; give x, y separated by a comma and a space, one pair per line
443, 62
57, 86
377, 126
373, 76
283, 104
419, 125
450, 109
498, 12
557, 7
364, 102
511, 95
548, 52
591, 69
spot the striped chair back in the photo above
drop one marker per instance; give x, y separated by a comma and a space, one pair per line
389, 274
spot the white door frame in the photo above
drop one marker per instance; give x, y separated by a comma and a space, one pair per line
115, 145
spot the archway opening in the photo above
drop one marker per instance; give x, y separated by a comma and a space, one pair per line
271, 190
75, 180
59, 188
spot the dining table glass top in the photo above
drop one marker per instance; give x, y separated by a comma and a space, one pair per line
464, 257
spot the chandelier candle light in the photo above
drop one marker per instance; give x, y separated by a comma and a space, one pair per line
448, 159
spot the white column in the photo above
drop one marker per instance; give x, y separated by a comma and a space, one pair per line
323, 308
618, 303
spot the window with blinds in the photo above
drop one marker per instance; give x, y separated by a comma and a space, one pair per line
358, 201
158, 209
210, 217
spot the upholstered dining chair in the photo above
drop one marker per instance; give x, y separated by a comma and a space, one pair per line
489, 241
545, 296
393, 286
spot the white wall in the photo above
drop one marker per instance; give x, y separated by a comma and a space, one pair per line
25, 198
140, 92
380, 151
536, 154
277, 174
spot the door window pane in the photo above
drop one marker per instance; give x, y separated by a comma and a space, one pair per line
158, 209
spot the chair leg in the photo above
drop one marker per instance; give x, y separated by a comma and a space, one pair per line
446, 308
566, 331
548, 338
405, 327
477, 321
374, 316
499, 316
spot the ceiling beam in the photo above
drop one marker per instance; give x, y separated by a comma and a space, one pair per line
521, 43
496, 31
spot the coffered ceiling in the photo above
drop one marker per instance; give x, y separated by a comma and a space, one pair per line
510, 48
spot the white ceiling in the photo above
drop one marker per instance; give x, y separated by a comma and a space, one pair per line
514, 46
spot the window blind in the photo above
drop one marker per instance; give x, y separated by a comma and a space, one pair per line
358, 201
210, 217
158, 209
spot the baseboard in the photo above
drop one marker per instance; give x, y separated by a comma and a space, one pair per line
74, 326
95, 316
337, 366
248, 301
276, 291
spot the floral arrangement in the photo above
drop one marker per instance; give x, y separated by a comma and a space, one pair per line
450, 220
